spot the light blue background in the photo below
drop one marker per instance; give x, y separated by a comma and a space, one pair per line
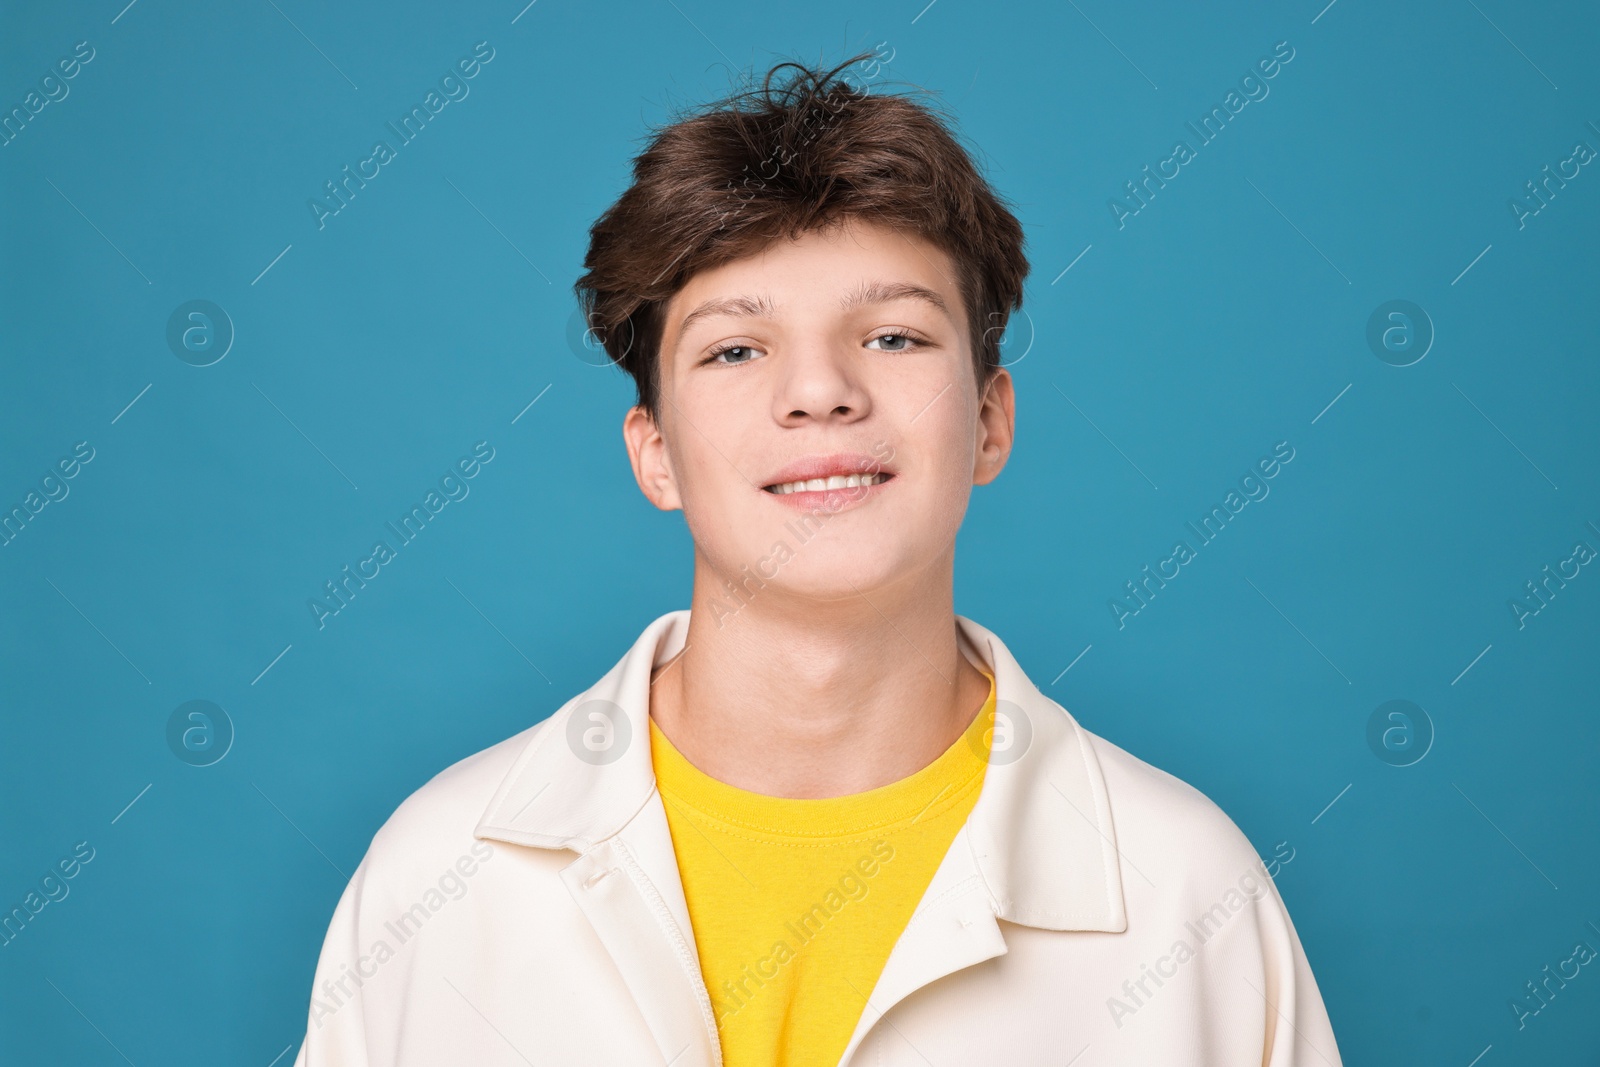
1223, 318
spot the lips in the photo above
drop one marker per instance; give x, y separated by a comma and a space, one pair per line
803, 475
830, 483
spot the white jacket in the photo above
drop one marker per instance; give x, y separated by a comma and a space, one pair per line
524, 908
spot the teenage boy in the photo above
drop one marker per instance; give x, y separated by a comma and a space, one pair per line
817, 818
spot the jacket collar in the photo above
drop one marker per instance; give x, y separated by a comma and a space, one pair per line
1040, 833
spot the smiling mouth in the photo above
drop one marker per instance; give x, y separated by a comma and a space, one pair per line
836, 481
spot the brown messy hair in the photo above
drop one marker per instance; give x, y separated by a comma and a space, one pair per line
806, 150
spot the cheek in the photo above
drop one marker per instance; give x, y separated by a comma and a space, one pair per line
946, 435
946, 457
717, 499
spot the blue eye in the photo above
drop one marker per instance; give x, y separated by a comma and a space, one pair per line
892, 342
736, 354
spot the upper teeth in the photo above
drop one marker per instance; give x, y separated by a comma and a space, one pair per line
837, 481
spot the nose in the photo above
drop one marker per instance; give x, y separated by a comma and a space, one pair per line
820, 384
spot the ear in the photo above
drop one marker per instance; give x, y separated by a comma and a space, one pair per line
997, 427
647, 452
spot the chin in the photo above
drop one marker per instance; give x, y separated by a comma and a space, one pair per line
844, 570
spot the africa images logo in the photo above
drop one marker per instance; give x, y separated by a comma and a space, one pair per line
453, 486
453, 84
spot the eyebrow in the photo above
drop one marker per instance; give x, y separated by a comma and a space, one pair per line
748, 306
865, 294
887, 292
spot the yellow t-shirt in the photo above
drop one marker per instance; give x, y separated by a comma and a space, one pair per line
796, 904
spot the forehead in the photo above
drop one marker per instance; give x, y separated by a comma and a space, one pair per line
846, 265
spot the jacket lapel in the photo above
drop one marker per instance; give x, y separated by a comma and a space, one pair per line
1041, 830
585, 783
656, 959
1039, 848
953, 928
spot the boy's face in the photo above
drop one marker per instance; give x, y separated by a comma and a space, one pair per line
843, 352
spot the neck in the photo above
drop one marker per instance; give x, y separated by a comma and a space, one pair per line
797, 697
